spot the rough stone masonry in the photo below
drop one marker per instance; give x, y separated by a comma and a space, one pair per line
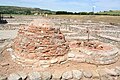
40, 43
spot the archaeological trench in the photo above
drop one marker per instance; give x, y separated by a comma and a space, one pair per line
43, 45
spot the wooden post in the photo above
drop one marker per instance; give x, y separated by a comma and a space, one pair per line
88, 34
0, 17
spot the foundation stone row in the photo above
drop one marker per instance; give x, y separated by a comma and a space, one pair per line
99, 74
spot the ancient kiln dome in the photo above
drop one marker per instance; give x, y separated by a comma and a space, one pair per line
40, 41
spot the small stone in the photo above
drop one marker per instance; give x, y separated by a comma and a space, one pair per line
9, 45
104, 77
14, 76
34, 76
108, 77
40, 48
3, 78
110, 72
95, 75
44, 62
77, 74
102, 73
71, 55
67, 75
46, 75
22, 75
87, 74
62, 59
10, 49
45, 65
55, 79
4, 64
117, 67
57, 76
117, 70
53, 61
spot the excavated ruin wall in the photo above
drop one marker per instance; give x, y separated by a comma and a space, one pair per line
95, 33
40, 43
82, 31
103, 57
95, 57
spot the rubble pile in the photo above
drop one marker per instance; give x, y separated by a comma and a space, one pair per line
40, 41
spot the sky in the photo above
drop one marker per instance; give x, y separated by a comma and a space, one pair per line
66, 5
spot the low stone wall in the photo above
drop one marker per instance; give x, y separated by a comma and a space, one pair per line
36, 63
82, 31
77, 54
99, 74
94, 57
109, 37
9, 26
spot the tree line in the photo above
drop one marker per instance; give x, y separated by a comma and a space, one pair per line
38, 11
85, 13
23, 10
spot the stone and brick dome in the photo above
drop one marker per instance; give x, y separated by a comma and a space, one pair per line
40, 41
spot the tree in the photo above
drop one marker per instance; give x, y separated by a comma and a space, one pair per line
27, 12
83, 13
91, 13
110, 11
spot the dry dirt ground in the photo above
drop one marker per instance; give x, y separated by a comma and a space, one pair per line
11, 67
93, 18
